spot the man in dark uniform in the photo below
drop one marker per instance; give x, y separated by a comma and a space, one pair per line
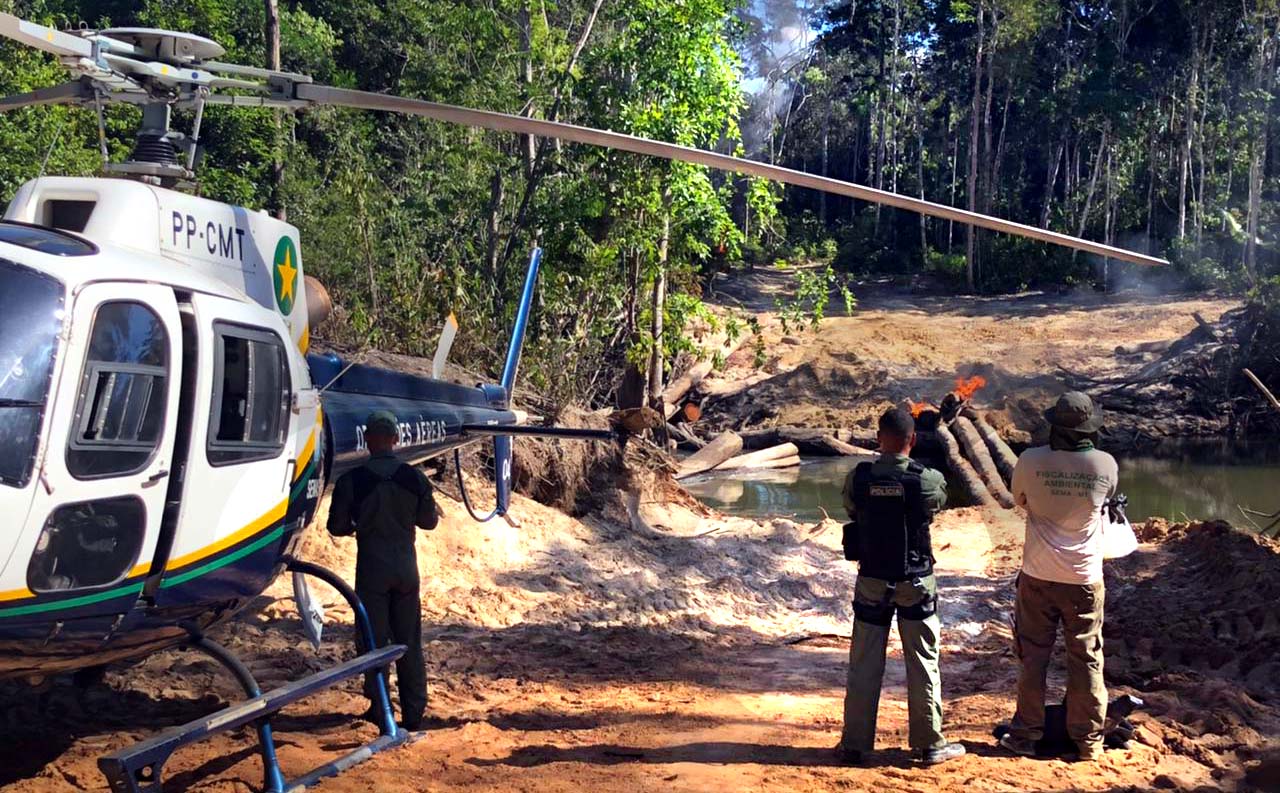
381, 502
892, 502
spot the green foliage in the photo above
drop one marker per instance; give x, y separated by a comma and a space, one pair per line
813, 291
406, 220
759, 353
1204, 270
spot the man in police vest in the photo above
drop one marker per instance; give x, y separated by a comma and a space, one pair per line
381, 502
892, 503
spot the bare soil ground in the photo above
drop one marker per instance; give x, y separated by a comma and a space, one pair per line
654, 645
901, 345
705, 653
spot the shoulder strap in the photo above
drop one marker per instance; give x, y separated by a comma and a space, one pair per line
916, 468
408, 478
363, 481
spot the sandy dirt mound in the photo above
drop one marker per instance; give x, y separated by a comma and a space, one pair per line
1195, 621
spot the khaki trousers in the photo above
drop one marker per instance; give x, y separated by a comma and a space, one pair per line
1041, 606
874, 604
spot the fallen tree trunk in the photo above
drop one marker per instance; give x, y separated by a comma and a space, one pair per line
810, 440
962, 473
753, 459
842, 449
1001, 453
780, 462
1145, 347
723, 447
975, 451
682, 385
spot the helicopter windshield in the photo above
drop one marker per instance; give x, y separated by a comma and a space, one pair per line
30, 318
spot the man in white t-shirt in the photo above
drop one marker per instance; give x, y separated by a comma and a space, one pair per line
1063, 487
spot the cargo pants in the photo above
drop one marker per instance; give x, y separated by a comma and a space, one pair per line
395, 613
915, 601
1041, 606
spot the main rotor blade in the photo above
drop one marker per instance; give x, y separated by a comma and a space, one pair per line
253, 71
344, 97
45, 38
65, 93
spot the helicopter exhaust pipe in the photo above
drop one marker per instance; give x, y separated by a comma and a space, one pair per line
502, 444
319, 304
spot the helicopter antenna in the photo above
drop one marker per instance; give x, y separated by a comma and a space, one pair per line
161, 70
102, 129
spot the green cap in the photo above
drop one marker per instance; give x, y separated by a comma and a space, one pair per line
1075, 411
382, 422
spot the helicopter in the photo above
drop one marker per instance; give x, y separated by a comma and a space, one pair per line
166, 432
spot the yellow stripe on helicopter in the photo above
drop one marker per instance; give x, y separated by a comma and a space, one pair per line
307, 450
16, 594
276, 513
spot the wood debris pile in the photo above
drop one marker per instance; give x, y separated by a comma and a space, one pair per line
1194, 386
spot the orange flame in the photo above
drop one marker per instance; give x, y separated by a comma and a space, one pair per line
919, 407
965, 389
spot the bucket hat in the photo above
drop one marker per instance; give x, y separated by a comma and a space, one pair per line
1075, 411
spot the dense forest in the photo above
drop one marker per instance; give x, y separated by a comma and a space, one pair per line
1149, 124
1145, 123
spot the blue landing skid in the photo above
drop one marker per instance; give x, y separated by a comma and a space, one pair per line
138, 769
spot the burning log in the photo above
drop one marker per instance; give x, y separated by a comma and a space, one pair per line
1003, 456
725, 446
962, 473
975, 476
760, 459
975, 451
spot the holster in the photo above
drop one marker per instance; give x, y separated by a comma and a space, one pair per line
849, 539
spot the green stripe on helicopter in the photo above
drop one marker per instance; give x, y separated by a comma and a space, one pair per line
84, 600
236, 555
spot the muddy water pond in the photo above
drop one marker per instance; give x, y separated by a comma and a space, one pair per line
1199, 481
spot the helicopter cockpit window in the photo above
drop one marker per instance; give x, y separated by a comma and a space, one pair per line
120, 412
251, 396
30, 318
89, 544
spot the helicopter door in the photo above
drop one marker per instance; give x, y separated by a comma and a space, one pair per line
97, 511
232, 527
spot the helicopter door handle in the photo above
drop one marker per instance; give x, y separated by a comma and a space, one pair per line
155, 478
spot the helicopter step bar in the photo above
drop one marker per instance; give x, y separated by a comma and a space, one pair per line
138, 768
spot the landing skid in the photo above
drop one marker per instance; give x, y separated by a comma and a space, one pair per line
139, 768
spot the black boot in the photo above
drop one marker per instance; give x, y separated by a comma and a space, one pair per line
846, 756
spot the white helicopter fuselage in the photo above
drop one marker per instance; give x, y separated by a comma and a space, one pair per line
160, 443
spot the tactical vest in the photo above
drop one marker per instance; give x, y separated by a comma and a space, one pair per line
893, 541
